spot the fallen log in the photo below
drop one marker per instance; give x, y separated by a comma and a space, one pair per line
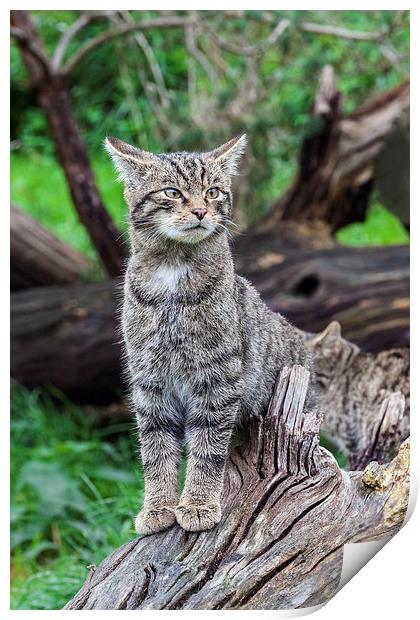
288, 510
68, 336
365, 289
337, 161
39, 258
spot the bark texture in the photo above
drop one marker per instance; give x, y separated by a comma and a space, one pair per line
68, 336
338, 157
39, 258
54, 99
365, 289
392, 170
287, 512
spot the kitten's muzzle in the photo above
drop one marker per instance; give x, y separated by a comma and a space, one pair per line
199, 213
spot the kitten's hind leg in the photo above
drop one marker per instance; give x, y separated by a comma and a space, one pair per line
208, 437
161, 434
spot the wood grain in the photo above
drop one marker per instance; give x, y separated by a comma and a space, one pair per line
287, 512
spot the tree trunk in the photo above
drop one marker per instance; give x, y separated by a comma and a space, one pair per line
68, 336
55, 101
287, 512
338, 158
37, 257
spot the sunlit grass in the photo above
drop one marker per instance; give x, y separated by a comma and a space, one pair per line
38, 186
380, 227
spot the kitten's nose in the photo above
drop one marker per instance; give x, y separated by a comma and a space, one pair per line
199, 213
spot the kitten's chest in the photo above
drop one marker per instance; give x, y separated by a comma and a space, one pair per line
181, 323
167, 280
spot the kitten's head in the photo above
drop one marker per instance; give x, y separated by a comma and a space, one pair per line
185, 197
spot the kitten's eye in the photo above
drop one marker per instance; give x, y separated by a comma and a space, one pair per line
212, 193
171, 192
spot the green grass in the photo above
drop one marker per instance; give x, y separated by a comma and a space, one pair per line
329, 443
75, 489
39, 187
380, 227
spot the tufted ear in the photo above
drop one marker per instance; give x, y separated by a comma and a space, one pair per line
329, 337
330, 344
229, 154
128, 159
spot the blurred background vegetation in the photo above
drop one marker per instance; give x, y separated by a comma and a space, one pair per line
197, 104
75, 480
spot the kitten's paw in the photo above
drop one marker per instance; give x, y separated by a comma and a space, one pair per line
197, 517
151, 520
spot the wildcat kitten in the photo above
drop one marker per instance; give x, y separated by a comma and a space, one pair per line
202, 348
352, 386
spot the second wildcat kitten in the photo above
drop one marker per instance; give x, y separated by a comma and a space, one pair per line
203, 350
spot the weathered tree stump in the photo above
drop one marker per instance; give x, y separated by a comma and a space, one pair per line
287, 512
39, 258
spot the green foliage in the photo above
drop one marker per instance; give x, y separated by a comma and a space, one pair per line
381, 227
75, 488
329, 443
114, 91
38, 186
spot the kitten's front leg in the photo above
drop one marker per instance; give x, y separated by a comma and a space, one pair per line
161, 434
208, 437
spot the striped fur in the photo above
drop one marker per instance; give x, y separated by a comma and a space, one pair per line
202, 348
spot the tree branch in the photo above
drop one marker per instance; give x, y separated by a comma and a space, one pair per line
193, 49
104, 37
150, 56
252, 50
342, 33
394, 58
37, 53
327, 98
80, 23
282, 25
